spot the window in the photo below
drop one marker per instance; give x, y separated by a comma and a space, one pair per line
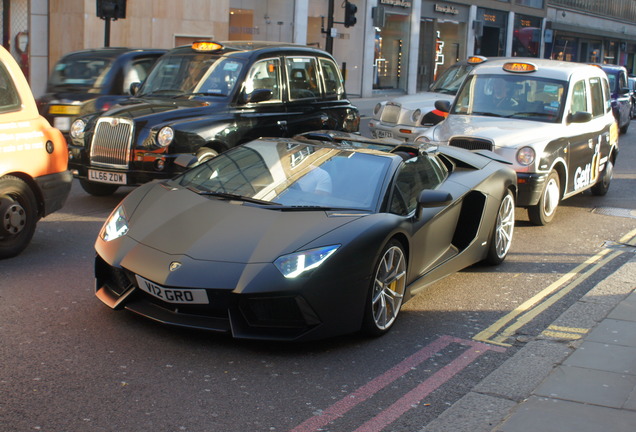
579, 98
415, 175
9, 100
596, 89
331, 79
302, 80
265, 74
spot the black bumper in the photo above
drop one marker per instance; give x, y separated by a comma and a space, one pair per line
55, 189
530, 187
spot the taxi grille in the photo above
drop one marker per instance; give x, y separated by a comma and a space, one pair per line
390, 113
111, 142
471, 143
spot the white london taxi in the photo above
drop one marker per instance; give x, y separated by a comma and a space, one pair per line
34, 179
551, 120
406, 117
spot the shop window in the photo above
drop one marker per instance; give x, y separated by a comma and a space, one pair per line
391, 49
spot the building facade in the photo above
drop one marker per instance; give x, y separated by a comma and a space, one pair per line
396, 46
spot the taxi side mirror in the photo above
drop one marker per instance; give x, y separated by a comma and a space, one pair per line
579, 117
134, 88
443, 105
258, 95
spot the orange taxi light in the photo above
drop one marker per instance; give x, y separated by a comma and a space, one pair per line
406, 131
476, 59
206, 46
519, 67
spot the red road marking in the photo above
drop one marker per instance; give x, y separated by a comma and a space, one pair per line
389, 415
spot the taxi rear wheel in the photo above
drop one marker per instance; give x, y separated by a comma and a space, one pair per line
98, 189
602, 185
544, 211
18, 216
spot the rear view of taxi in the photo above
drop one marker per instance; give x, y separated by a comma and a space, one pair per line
551, 120
34, 180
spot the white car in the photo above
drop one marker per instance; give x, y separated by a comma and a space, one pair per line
554, 125
406, 117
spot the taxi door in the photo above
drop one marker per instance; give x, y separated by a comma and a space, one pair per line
587, 137
260, 115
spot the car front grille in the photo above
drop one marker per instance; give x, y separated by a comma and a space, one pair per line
471, 143
391, 113
111, 142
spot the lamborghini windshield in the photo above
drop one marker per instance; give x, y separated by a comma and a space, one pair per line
292, 174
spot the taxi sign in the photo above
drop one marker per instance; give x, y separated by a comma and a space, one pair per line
476, 59
205, 46
519, 67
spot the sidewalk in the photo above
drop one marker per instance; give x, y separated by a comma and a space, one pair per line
558, 383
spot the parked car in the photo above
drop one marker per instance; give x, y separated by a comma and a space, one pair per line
92, 80
204, 99
34, 180
632, 91
407, 117
621, 96
551, 120
299, 239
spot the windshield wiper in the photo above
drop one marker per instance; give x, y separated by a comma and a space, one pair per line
201, 94
163, 92
231, 196
487, 114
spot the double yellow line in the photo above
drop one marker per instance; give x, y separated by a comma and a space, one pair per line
506, 326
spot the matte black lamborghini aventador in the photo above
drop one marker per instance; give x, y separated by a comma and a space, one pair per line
297, 239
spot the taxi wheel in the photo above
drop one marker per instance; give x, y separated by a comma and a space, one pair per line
602, 185
205, 153
544, 211
387, 290
98, 189
18, 216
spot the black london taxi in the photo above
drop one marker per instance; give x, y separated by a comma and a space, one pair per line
92, 80
203, 99
551, 120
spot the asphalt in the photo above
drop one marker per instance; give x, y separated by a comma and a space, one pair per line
579, 375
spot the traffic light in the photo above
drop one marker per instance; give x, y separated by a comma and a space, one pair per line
350, 14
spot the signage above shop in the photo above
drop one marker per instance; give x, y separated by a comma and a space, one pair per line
446, 9
400, 3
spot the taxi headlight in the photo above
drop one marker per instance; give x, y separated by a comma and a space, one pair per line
165, 136
525, 156
416, 115
295, 264
116, 225
377, 109
77, 129
422, 139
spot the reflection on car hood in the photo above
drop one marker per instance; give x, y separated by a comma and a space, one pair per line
504, 132
424, 101
182, 108
181, 222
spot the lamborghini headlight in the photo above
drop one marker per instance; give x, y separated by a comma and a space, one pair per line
116, 225
296, 263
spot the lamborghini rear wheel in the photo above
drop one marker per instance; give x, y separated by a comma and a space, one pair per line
502, 233
387, 290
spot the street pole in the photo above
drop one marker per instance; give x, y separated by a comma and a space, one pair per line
107, 32
329, 43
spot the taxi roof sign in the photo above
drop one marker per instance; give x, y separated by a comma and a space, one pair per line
206, 46
519, 67
476, 59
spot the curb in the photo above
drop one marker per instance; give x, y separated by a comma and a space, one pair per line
496, 397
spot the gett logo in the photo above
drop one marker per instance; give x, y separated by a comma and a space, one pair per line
582, 177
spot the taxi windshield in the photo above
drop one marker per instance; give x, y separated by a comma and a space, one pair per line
512, 96
192, 74
80, 71
450, 81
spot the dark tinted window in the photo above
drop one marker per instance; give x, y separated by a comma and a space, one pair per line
415, 175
